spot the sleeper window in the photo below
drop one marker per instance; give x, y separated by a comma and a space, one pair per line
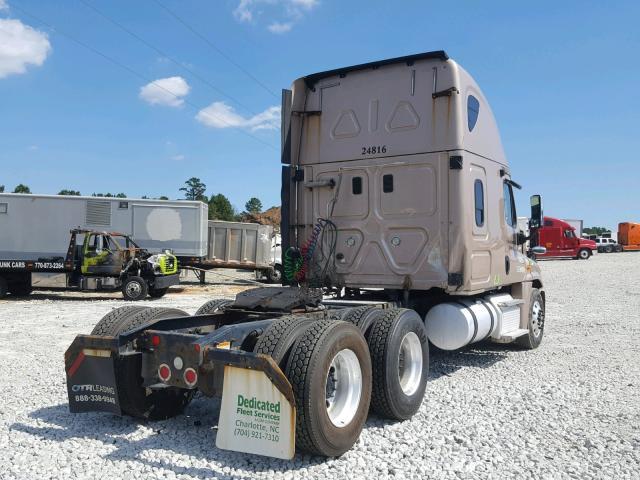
356, 185
3, 207
473, 109
387, 183
478, 192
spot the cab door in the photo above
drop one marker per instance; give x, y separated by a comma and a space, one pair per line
514, 259
98, 256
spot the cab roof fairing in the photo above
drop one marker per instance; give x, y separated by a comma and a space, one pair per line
484, 140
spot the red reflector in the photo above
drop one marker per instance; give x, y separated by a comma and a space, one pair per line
155, 340
164, 372
190, 377
196, 347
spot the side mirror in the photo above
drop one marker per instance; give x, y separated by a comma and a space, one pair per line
522, 238
536, 211
538, 250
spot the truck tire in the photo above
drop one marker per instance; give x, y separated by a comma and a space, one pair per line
608, 249
584, 254
275, 274
535, 323
3, 287
400, 360
158, 292
364, 317
136, 400
330, 371
213, 306
134, 288
108, 325
278, 339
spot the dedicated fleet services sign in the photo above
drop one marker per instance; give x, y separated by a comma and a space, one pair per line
255, 417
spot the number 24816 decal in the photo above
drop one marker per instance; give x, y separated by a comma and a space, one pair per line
372, 150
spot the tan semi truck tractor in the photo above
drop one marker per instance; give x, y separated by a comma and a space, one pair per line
399, 230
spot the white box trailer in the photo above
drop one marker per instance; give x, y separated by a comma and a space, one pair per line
577, 224
33, 227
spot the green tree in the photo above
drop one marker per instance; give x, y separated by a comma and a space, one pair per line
254, 205
194, 189
21, 188
595, 230
121, 195
220, 208
69, 192
162, 197
1, 188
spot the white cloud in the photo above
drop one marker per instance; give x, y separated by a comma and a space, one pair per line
221, 115
4, 5
277, 27
178, 158
283, 13
33, 148
165, 91
20, 46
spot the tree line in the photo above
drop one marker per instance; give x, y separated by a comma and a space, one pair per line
220, 208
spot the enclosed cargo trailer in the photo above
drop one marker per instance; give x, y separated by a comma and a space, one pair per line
37, 226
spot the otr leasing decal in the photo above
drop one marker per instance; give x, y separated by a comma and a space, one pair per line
93, 388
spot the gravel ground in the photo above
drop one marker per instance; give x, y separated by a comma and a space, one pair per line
569, 409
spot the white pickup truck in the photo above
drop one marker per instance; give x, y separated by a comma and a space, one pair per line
607, 245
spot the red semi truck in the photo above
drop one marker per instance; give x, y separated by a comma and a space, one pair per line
560, 240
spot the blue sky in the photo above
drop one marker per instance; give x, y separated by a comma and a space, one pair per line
562, 79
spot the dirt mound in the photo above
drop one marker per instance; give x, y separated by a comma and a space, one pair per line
268, 217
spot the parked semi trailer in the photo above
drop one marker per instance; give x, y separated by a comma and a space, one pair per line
560, 239
397, 197
243, 246
35, 237
629, 236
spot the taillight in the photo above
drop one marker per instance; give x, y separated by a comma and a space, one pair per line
190, 377
164, 372
155, 340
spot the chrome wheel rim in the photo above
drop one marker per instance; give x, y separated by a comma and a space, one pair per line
134, 289
410, 363
537, 318
343, 387
584, 254
276, 275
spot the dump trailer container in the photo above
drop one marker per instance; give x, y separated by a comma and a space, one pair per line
243, 246
629, 236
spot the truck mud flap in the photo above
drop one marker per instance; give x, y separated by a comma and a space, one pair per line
90, 364
258, 410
